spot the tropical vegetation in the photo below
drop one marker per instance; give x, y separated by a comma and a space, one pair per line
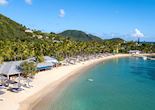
28, 68
16, 44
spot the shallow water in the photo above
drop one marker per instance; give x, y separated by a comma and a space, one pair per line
117, 84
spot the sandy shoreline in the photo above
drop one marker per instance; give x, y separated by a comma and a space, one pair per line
44, 83
52, 90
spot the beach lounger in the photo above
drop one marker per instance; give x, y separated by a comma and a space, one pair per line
2, 86
15, 90
2, 92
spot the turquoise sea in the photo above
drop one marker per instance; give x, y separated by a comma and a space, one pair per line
116, 84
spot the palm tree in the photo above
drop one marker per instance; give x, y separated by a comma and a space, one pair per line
28, 68
40, 58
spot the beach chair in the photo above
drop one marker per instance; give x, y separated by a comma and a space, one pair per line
28, 82
2, 86
17, 88
2, 92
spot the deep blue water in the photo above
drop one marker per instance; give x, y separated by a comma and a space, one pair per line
117, 84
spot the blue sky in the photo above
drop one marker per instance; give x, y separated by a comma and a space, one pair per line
106, 18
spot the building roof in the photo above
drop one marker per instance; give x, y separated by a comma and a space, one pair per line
32, 59
134, 51
45, 64
29, 31
10, 68
47, 59
50, 59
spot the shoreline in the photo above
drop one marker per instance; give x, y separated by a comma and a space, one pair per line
51, 89
45, 84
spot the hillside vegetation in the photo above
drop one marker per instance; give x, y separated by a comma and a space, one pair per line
16, 44
11, 29
79, 35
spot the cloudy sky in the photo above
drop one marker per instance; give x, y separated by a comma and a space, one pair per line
107, 18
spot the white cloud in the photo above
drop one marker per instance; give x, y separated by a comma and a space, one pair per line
3, 2
28, 2
62, 13
137, 33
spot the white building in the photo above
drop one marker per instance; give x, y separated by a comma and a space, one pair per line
134, 52
28, 31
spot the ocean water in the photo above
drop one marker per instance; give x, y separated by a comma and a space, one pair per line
116, 84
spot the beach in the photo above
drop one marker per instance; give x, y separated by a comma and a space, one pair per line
76, 55
44, 83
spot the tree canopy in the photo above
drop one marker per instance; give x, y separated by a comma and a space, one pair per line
16, 44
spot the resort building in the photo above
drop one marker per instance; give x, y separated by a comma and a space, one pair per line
50, 60
48, 63
12, 68
134, 52
28, 31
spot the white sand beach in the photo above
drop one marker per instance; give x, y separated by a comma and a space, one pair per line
43, 83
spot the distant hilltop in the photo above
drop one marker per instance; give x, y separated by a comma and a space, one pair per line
12, 29
79, 35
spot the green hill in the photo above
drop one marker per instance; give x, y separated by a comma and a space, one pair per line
79, 35
115, 40
11, 29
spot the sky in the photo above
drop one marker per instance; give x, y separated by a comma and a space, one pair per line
127, 19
